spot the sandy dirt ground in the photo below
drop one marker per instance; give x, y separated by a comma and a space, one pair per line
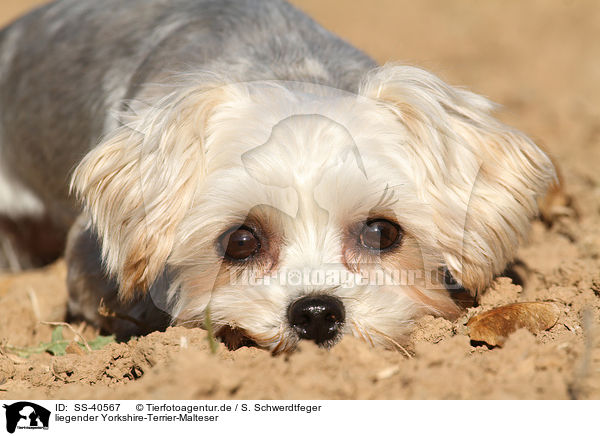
541, 61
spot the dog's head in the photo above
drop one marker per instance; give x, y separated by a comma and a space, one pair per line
296, 211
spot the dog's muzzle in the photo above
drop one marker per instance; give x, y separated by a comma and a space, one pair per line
317, 317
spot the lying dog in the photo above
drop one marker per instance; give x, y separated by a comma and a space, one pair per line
255, 172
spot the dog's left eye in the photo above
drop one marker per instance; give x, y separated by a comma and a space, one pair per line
240, 244
380, 234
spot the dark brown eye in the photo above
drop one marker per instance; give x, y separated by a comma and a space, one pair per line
240, 244
380, 234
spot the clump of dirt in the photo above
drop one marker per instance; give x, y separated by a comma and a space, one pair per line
530, 69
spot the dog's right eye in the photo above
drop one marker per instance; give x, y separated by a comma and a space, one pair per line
240, 244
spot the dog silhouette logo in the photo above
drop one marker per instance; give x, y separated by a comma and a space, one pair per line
26, 415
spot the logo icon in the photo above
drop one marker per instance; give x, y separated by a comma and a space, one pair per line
26, 415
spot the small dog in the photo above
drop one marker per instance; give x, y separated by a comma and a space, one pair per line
256, 174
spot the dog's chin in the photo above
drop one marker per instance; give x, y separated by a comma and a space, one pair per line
235, 338
330, 343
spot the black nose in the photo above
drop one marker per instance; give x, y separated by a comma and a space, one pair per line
318, 318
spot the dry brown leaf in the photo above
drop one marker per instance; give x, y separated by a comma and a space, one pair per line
494, 326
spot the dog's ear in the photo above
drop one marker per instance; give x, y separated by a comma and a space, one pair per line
481, 177
139, 183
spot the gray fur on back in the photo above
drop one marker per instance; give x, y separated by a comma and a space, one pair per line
67, 65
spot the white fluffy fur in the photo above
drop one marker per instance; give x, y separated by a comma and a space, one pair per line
162, 189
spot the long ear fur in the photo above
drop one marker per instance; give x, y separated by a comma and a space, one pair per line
481, 176
139, 183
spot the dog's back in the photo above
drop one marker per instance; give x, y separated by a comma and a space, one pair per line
68, 66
